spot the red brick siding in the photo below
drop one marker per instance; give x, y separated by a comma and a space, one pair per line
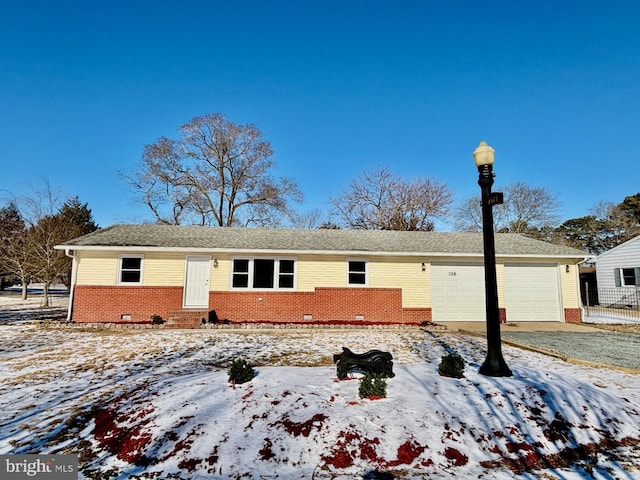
261, 306
375, 305
108, 303
416, 315
379, 305
573, 315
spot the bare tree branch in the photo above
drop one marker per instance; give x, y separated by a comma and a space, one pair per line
216, 173
526, 209
378, 200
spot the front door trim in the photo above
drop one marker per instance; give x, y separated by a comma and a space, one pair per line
197, 272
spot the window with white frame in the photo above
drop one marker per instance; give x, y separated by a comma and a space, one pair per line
240, 273
263, 273
357, 272
130, 269
627, 277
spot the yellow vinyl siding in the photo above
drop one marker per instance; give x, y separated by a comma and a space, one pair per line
321, 271
220, 275
158, 269
404, 273
97, 268
570, 286
163, 269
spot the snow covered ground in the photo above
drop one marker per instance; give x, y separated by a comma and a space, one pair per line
157, 404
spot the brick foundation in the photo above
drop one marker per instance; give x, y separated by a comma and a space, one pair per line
573, 315
110, 303
416, 315
349, 305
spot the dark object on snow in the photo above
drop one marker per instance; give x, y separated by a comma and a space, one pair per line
374, 361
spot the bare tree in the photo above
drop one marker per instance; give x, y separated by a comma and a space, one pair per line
46, 263
216, 173
314, 218
526, 209
379, 200
42, 200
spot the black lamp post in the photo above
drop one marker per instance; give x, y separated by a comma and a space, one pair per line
494, 365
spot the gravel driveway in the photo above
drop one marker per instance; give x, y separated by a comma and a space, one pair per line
611, 348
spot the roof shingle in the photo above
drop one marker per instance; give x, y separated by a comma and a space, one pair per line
307, 240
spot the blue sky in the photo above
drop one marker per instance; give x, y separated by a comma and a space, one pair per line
337, 87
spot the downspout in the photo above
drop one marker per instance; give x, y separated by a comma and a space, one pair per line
72, 286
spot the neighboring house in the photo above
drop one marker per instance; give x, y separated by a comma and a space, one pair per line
127, 273
618, 274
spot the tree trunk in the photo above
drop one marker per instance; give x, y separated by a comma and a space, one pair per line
45, 294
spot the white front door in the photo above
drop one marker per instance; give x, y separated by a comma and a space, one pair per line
196, 282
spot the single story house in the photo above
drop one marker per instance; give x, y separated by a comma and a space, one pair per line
618, 274
127, 273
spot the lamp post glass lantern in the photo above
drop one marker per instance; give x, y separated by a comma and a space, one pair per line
494, 365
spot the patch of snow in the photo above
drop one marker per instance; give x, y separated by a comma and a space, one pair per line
157, 403
597, 318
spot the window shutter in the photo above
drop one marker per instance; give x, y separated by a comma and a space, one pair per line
616, 272
637, 272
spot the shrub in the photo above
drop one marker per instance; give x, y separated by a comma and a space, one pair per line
452, 365
156, 319
373, 385
240, 371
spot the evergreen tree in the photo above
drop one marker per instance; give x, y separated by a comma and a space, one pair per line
14, 257
631, 206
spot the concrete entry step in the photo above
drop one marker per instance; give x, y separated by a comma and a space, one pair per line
186, 318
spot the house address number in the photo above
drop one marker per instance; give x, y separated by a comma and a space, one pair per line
452, 274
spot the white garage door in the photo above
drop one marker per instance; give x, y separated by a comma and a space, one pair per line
531, 292
457, 292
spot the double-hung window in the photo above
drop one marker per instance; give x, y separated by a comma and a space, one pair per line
357, 272
263, 273
240, 273
627, 277
130, 269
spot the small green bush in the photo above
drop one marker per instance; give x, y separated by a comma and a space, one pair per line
156, 319
240, 371
452, 365
373, 385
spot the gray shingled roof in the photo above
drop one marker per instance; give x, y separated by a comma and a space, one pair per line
306, 240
